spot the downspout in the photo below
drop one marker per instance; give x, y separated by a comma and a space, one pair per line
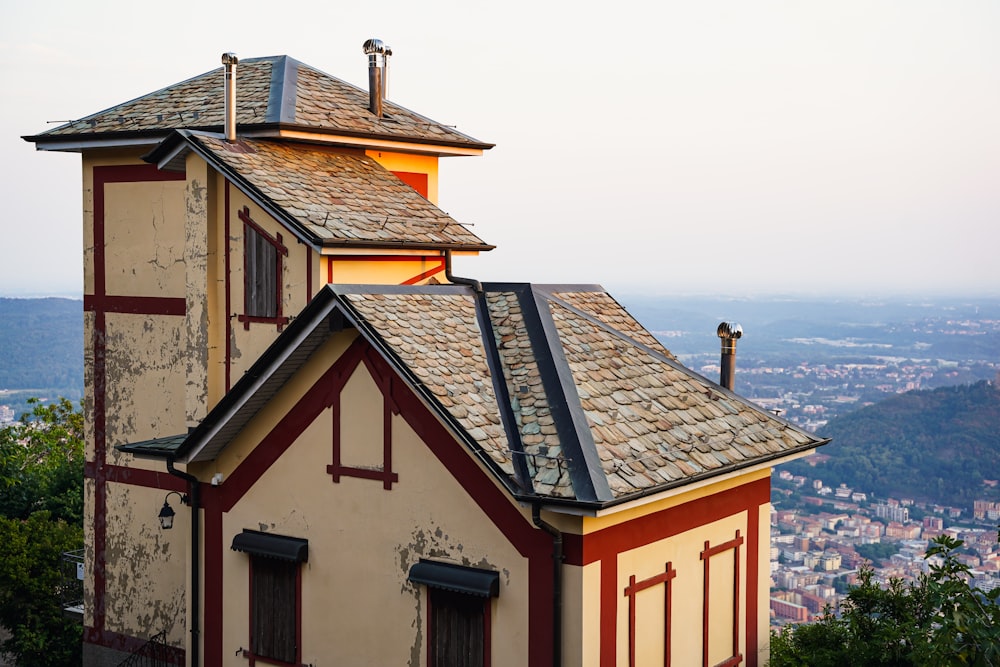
194, 500
536, 509
557, 581
474, 284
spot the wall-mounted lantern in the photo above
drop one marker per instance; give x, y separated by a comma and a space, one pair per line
167, 512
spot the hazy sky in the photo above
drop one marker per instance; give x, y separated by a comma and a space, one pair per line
724, 147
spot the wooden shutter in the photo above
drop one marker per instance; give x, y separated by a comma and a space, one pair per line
261, 275
458, 629
273, 615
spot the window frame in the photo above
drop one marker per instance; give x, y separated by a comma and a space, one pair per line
254, 238
270, 552
258, 563
437, 600
464, 585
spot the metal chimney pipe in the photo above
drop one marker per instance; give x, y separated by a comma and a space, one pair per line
729, 333
230, 61
376, 81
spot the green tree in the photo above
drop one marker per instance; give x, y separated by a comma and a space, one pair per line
41, 463
41, 518
31, 578
938, 620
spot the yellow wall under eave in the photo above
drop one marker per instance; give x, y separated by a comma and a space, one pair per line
418, 164
381, 270
593, 524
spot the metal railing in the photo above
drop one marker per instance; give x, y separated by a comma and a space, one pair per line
71, 588
154, 653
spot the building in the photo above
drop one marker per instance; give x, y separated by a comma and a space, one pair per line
892, 511
376, 455
790, 611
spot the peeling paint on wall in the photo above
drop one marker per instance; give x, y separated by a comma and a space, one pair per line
434, 543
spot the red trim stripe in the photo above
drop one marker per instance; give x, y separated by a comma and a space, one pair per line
633, 588
706, 555
137, 305
604, 546
101, 303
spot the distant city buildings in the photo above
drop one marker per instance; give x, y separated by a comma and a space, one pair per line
816, 548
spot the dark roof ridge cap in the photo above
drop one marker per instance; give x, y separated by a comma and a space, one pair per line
284, 91
388, 104
576, 438
501, 391
149, 94
370, 334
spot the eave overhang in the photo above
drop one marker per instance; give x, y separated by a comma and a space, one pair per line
289, 131
663, 491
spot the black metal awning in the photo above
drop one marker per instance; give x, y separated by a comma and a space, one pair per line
457, 578
266, 545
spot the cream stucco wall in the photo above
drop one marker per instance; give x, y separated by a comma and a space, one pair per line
143, 382
146, 565
358, 607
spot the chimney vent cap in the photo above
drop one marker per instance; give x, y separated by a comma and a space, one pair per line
729, 330
229, 58
376, 46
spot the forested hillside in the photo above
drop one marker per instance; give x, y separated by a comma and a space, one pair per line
41, 350
934, 445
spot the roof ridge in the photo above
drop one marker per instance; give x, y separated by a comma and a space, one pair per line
586, 473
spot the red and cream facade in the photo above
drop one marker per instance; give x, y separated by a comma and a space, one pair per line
409, 456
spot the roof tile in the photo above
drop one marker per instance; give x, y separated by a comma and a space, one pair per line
336, 196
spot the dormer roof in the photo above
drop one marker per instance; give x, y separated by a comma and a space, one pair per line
276, 96
328, 197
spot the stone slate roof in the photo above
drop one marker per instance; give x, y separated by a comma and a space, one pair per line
602, 410
332, 197
565, 396
272, 93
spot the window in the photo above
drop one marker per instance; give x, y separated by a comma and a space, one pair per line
275, 595
262, 270
273, 609
457, 630
458, 611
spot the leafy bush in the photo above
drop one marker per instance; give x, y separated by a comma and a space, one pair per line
41, 518
938, 620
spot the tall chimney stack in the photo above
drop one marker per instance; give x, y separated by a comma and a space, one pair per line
377, 73
229, 60
729, 333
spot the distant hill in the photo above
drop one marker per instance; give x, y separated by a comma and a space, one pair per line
934, 445
41, 350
